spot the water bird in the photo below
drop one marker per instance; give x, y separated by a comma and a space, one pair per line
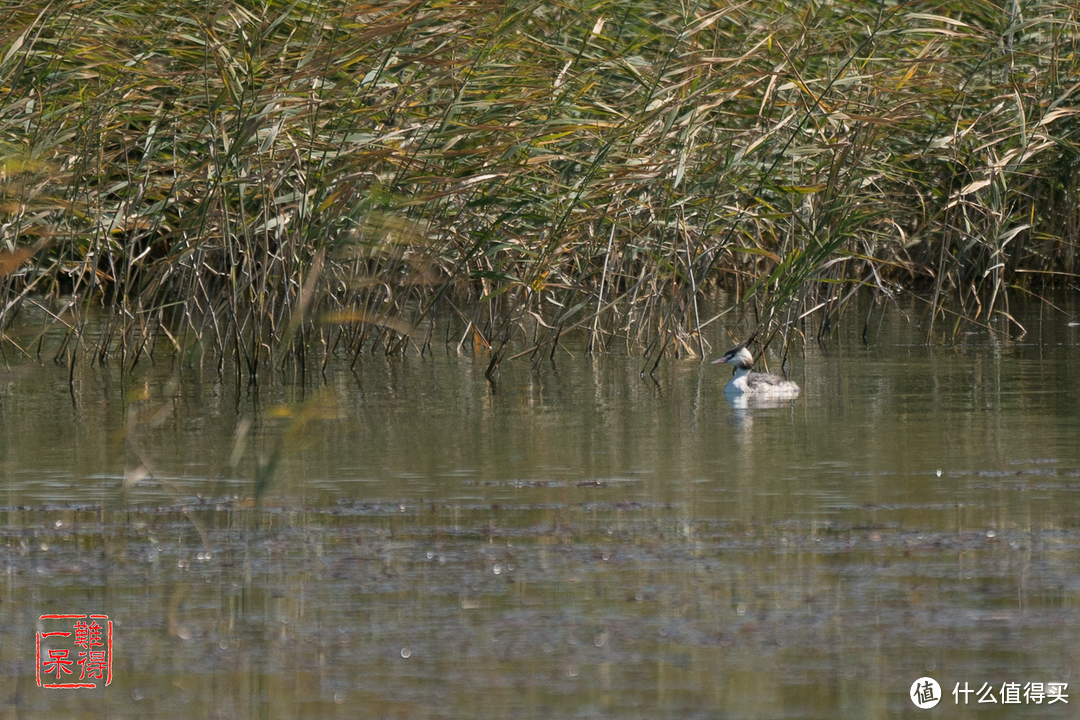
754, 384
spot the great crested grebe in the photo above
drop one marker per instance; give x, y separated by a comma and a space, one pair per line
747, 382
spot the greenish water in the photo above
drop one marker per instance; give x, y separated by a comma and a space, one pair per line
574, 541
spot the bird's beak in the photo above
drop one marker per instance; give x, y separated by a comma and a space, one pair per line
717, 362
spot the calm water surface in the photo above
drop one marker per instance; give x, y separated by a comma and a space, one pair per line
573, 542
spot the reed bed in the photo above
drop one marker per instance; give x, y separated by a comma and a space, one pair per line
284, 182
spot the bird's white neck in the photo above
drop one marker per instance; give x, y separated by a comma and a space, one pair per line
737, 384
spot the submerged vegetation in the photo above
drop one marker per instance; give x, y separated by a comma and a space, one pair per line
267, 179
